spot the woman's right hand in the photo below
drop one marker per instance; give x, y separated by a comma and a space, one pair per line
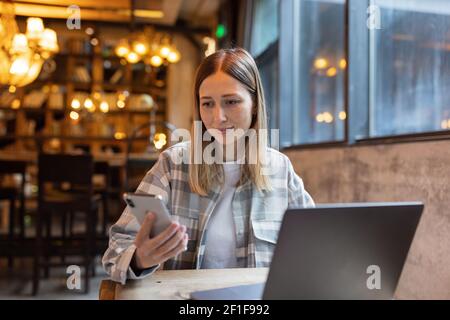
153, 251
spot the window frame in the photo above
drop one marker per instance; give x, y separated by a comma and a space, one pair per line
356, 82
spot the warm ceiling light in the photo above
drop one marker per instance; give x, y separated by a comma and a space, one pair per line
89, 31
342, 115
75, 104
320, 63
121, 104
12, 89
97, 95
159, 140
152, 14
119, 135
122, 48
15, 104
35, 27
19, 44
342, 63
88, 104
20, 66
156, 61
174, 56
49, 40
94, 41
327, 117
123, 95
23, 54
331, 72
132, 57
319, 117
140, 48
74, 115
153, 48
104, 107
164, 51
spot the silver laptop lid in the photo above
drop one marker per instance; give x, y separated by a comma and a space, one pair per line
342, 251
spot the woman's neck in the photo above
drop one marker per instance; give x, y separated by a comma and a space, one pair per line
229, 152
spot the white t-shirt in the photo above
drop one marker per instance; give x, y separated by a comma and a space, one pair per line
220, 249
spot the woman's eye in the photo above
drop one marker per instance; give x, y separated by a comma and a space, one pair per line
232, 102
206, 104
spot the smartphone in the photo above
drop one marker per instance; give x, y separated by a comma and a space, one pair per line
140, 204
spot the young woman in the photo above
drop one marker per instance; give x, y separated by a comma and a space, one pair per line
226, 212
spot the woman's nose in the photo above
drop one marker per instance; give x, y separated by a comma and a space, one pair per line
219, 114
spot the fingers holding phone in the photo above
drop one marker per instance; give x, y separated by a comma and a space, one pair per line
167, 244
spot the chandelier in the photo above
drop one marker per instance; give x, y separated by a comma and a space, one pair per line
23, 54
151, 47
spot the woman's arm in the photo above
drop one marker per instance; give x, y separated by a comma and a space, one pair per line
117, 258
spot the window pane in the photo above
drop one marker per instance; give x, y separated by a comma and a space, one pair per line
268, 70
320, 115
265, 25
410, 67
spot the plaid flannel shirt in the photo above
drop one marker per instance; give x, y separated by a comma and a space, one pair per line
257, 215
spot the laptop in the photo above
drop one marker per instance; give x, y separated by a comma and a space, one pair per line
335, 251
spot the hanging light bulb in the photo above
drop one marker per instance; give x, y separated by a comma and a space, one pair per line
35, 27
174, 56
20, 66
15, 104
159, 140
120, 104
74, 115
122, 48
104, 107
132, 57
19, 44
331, 72
156, 61
49, 41
164, 51
320, 63
140, 47
22, 55
88, 104
120, 135
75, 104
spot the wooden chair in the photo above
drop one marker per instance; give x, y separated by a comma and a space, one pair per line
103, 168
65, 186
12, 194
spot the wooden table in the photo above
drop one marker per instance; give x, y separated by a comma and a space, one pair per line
178, 284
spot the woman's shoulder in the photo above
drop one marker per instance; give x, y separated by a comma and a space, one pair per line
277, 157
176, 154
177, 148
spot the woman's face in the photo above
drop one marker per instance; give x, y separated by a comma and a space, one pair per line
224, 104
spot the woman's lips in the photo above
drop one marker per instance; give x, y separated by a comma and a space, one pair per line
224, 130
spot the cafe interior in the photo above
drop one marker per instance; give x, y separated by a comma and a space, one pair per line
359, 91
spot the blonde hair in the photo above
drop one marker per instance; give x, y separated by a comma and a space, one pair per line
240, 65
